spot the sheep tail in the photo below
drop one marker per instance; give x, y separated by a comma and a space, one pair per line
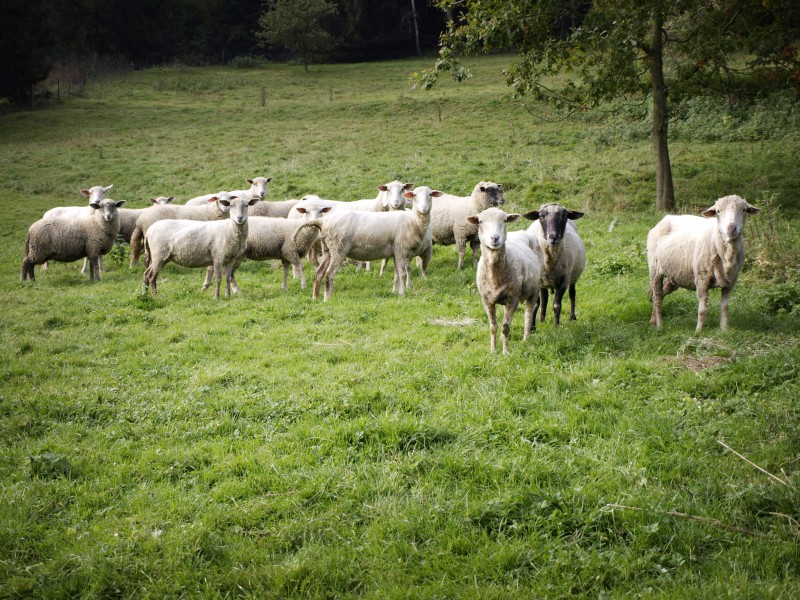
315, 223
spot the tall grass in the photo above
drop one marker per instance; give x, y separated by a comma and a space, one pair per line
273, 446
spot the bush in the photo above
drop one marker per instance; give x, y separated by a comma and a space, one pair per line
248, 62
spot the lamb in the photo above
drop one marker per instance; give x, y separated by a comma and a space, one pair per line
369, 236
213, 209
68, 238
270, 237
509, 271
564, 255
257, 189
199, 244
685, 251
449, 223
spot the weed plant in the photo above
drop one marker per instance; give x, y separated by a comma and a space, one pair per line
273, 446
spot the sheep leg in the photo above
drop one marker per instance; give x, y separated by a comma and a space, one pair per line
508, 314
335, 265
150, 276
285, 282
208, 279
399, 275
298, 268
657, 296
322, 267
232, 285
218, 277
136, 246
723, 308
476, 247
94, 268
531, 306
572, 316
492, 314
383, 266
702, 308
543, 303
27, 270
423, 260
462, 252
558, 296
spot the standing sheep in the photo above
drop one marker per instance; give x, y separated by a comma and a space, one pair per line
129, 216
564, 255
199, 244
370, 236
269, 238
213, 209
449, 223
257, 189
685, 251
509, 272
68, 238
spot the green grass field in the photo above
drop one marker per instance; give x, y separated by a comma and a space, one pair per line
269, 445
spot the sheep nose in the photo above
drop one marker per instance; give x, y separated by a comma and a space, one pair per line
552, 238
733, 230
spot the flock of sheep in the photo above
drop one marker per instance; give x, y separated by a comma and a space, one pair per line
218, 231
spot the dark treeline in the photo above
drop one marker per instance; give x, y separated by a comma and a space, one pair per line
38, 35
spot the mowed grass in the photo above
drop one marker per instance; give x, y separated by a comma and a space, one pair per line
269, 445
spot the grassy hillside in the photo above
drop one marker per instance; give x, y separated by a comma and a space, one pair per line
269, 445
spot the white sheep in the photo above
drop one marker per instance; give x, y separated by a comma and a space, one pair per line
271, 238
69, 238
509, 272
95, 194
211, 211
278, 209
369, 236
564, 255
257, 189
199, 244
685, 251
449, 224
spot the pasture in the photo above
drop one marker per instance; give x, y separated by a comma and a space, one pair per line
272, 446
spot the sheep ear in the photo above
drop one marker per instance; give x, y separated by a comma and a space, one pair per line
532, 216
382, 188
483, 188
710, 212
213, 199
473, 220
105, 189
301, 210
574, 214
250, 181
437, 193
170, 199
252, 201
752, 210
268, 180
408, 186
408, 195
232, 197
325, 209
120, 203
224, 202
153, 201
512, 217
94, 205
85, 192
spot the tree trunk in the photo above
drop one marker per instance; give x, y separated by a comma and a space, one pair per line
665, 193
416, 27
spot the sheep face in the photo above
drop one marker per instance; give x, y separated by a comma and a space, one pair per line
493, 191
96, 193
493, 227
421, 198
223, 200
731, 213
237, 208
162, 200
258, 186
313, 211
553, 219
108, 207
393, 194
